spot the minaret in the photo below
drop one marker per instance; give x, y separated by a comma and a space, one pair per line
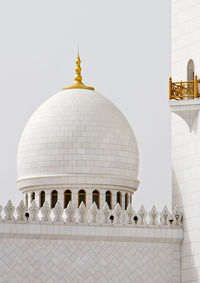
184, 94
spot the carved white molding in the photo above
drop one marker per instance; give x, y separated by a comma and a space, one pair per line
129, 215
141, 214
164, 216
9, 211
58, 212
33, 212
70, 211
117, 214
21, 210
46, 210
82, 213
153, 216
92, 216
105, 212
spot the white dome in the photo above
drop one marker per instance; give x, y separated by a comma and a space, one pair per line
77, 137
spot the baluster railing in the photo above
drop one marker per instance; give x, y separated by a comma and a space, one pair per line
184, 90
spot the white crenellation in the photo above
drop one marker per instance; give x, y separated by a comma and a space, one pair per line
91, 216
46, 211
58, 212
21, 210
164, 216
177, 216
82, 212
70, 211
117, 213
105, 213
9, 211
33, 212
153, 215
129, 215
141, 214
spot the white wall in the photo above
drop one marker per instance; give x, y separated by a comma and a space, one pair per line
63, 253
186, 192
185, 37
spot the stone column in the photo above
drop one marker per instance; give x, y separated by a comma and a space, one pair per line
61, 197
131, 198
48, 197
114, 198
25, 199
102, 198
123, 200
75, 198
29, 198
37, 198
128, 198
89, 198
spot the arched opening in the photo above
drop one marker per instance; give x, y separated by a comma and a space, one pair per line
108, 198
190, 70
42, 198
126, 201
32, 196
81, 197
190, 77
95, 197
26, 200
119, 198
54, 198
67, 197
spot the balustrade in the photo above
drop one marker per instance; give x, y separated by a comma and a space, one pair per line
184, 90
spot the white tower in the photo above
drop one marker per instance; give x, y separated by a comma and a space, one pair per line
185, 103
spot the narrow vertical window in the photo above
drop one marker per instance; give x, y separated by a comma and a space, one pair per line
108, 198
26, 200
95, 197
119, 198
190, 70
32, 196
67, 197
42, 198
54, 198
81, 197
190, 77
126, 201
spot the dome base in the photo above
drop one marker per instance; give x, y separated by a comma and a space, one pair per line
70, 181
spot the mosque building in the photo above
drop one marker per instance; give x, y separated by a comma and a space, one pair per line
78, 172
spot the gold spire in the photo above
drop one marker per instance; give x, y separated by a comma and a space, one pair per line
78, 79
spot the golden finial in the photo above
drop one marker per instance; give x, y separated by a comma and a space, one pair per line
78, 79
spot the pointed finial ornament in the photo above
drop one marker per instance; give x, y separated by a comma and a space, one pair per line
78, 79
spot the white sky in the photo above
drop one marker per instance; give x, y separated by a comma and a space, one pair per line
125, 48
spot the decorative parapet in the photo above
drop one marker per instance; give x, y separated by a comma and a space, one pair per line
93, 216
91, 224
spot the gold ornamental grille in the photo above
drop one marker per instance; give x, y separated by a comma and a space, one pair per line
181, 90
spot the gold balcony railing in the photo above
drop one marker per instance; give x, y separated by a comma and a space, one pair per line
181, 90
